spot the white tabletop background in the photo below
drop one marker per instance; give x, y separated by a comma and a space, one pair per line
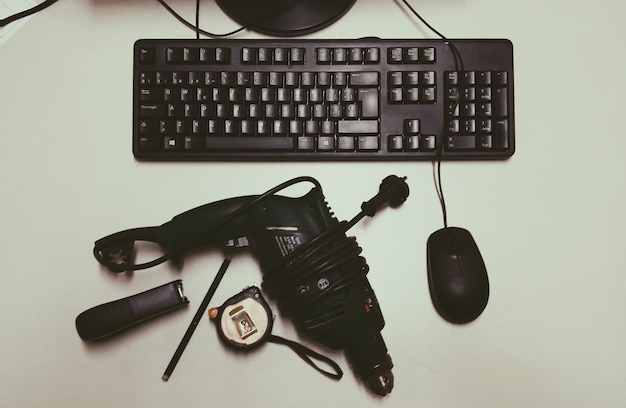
550, 223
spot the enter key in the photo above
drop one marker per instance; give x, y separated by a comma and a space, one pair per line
369, 98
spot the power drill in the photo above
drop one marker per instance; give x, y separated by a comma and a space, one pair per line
310, 266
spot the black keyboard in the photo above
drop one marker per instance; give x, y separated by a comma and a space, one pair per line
366, 99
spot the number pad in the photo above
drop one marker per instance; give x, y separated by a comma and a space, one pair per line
477, 110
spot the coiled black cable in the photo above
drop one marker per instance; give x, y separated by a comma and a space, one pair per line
331, 252
313, 260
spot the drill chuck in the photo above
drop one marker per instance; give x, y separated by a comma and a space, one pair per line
371, 361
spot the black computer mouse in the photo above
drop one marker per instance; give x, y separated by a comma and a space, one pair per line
457, 276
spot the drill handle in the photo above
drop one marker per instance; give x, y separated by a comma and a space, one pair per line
201, 224
269, 223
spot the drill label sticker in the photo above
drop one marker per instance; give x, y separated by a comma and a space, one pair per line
287, 243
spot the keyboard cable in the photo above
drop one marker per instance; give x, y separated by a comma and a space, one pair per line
196, 26
26, 13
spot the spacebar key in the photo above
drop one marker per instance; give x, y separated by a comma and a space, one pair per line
250, 143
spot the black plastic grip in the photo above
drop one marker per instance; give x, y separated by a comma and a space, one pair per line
109, 318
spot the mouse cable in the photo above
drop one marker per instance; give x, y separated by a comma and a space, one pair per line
459, 67
25, 13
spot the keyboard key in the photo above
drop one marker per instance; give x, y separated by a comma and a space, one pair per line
308, 79
461, 142
306, 143
396, 78
340, 79
357, 126
394, 55
372, 55
147, 55
484, 94
276, 79
311, 127
500, 78
427, 78
428, 142
484, 78
368, 143
191, 54
173, 55
148, 126
147, 78
500, 102
248, 55
349, 95
411, 78
364, 79
171, 143
206, 54
413, 143
427, 55
395, 143
351, 110
369, 102
152, 110
428, 94
296, 127
484, 109
355, 55
324, 79
340, 56
501, 134
192, 143
412, 126
250, 143
149, 144
484, 125
326, 143
486, 141
264, 55
345, 143
411, 55
396, 95
150, 94
327, 127
222, 55
264, 128
468, 78
296, 56
280, 127
412, 95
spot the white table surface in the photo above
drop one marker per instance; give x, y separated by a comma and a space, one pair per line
550, 223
